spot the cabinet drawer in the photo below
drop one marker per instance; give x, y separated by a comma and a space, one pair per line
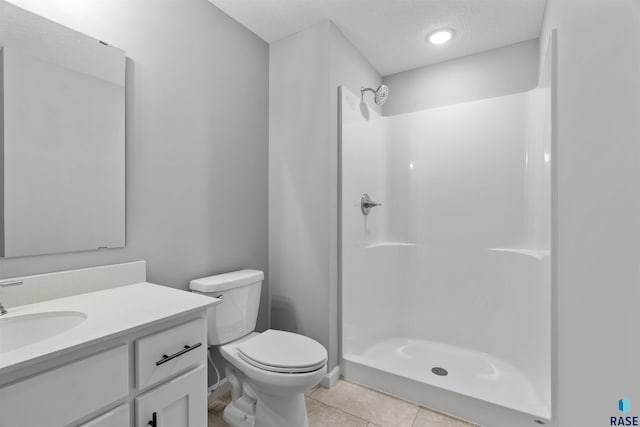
169, 352
118, 417
63, 395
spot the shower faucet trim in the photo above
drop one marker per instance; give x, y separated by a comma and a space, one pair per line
366, 204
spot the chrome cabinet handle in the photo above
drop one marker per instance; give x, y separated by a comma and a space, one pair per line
366, 204
186, 349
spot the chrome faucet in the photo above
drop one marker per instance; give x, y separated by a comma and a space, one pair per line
3, 310
366, 204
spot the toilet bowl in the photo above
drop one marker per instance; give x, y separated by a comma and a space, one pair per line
279, 367
269, 372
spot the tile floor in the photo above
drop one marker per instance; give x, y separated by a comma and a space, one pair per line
351, 405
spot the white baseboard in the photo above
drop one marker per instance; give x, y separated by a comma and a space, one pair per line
331, 378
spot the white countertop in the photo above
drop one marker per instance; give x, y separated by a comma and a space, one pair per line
110, 313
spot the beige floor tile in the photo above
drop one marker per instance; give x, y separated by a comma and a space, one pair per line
349, 405
375, 407
218, 404
427, 418
216, 420
321, 415
311, 391
216, 408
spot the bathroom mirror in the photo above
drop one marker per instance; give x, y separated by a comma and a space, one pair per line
62, 139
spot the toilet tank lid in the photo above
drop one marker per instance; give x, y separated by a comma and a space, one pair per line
226, 281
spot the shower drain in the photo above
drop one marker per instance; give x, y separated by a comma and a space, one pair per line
440, 371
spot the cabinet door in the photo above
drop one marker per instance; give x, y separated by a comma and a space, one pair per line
181, 402
118, 417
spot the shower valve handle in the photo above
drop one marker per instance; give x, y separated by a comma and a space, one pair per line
371, 204
366, 204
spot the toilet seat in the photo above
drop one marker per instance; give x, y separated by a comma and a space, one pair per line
283, 352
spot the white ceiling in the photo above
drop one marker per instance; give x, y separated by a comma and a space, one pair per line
391, 33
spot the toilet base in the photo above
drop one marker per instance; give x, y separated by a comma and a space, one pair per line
251, 408
241, 411
274, 411
279, 411
236, 417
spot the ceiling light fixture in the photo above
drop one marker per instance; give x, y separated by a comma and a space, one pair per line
441, 36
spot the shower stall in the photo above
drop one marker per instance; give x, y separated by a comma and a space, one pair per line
445, 229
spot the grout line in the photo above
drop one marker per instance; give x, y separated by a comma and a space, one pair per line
389, 396
413, 423
342, 410
384, 393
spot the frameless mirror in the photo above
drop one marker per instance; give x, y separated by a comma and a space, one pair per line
62, 139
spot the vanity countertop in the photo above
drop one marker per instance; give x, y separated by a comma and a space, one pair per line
109, 313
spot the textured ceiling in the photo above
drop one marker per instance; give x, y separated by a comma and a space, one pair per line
391, 33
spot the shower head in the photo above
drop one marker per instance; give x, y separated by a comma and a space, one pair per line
381, 94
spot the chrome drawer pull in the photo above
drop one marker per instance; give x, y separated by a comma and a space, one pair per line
186, 349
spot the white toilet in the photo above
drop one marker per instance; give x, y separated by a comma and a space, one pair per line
269, 372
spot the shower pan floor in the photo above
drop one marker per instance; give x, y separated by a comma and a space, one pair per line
469, 372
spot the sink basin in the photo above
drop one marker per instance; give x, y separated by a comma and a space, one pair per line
27, 329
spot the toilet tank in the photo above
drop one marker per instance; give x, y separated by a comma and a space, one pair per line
236, 315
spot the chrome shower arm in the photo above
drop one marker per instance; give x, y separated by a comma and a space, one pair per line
363, 90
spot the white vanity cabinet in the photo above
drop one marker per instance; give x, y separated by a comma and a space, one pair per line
131, 351
153, 377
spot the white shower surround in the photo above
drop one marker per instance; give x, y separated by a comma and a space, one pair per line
453, 270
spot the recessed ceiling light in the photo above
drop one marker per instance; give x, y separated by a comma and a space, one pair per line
441, 36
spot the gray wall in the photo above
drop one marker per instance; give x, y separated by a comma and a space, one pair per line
298, 183
351, 69
305, 71
197, 139
597, 185
503, 71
